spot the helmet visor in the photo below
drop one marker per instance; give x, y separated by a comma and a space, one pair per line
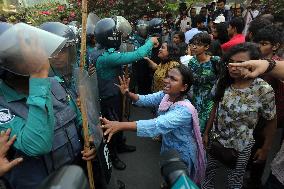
22, 42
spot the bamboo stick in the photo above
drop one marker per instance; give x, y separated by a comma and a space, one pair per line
83, 103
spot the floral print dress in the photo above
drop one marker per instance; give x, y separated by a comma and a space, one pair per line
160, 74
205, 76
239, 111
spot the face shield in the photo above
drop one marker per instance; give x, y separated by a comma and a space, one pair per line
63, 63
92, 20
142, 28
123, 26
22, 41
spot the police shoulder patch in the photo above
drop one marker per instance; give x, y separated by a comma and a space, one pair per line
5, 116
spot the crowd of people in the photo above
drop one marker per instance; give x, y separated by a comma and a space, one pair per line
213, 80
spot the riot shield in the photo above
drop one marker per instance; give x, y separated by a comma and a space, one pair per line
91, 23
123, 26
88, 87
88, 90
17, 42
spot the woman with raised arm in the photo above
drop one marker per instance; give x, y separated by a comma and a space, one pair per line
177, 119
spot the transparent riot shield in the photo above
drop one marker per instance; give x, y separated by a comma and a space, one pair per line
88, 88
91, 23
17, 43
88, 91
123, 26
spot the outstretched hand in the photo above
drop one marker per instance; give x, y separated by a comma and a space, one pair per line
124, 84
110, 127
251, 68
5, 144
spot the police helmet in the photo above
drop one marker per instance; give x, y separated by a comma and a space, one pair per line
155, 25
142, 28
107, 34
60, 30
63, 66
3, 27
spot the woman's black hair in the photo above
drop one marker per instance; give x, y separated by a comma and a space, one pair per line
225, 79
175, 52
181, 35
187, 77
203, 38
222, 31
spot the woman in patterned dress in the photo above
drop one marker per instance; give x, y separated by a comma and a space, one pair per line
205, 69
239, 103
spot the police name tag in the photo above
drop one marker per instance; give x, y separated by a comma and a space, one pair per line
5, 116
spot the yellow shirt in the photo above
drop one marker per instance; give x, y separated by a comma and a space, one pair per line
160, 74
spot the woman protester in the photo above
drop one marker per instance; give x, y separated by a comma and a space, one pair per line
239, 103
252, 69
177, 121
205, 69
169, 54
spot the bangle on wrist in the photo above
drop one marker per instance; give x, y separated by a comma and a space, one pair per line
271, 66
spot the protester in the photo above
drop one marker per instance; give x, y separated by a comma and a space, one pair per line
178, 38
255, 26
268, 40
176, 121
239, 103
169, 54
195, 30
252, 69
222, 10
204, 13
235, 29
205, 69
250, 14
5, 144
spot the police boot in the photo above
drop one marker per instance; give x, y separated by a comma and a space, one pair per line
117, 163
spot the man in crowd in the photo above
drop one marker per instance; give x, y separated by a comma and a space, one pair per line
200, 27
250, 14
222, 10
235, 30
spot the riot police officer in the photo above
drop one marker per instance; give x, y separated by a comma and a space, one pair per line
142, 73
108, 62
62, 66
39, 112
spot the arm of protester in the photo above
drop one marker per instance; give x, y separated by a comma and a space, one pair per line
140, 100
5, 144
209, 125
163, 124
254, 68
112, 127
151, 63
116, 58
268, 112
269, 131
150, 128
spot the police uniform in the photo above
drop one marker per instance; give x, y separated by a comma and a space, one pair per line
47, 129
142, 72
